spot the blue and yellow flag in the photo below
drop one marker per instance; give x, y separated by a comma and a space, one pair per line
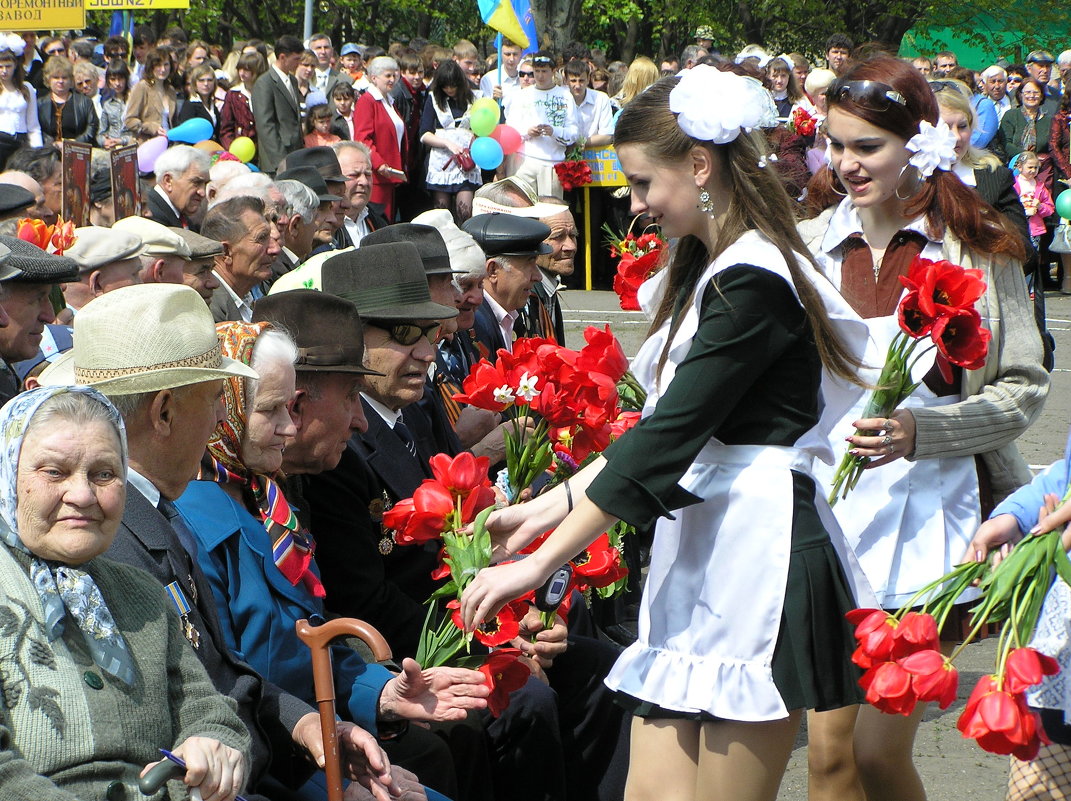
500, 15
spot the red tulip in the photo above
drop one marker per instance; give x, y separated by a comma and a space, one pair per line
63, 236
503, 674
943, 286
603, 353
631, 272
462, 473
875, 629
888, 687
933, 678
624, 421
917, 631
599, 565
432, 504
1001, 721
1026, 667
961, 339
913, 321
481, 385
500, 629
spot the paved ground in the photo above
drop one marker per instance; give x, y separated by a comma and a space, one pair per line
952, 768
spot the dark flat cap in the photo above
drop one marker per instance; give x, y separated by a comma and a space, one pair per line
311, 178
384, 282
321, 159
429, 243
201, 247
28, 264
100, 188
14, 199
326, 328
508, 235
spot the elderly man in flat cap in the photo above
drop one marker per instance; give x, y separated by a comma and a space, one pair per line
198, 272
107, 259
27, 276
512, 245
163, 252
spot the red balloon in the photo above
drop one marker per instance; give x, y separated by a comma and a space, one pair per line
508, 137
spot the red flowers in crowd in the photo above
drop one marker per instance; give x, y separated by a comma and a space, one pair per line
802, 122
640, 256
939, 304
1001, 722
451, 500
503, 674
573, 174
52, 238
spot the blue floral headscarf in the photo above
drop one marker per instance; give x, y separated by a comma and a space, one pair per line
65, 590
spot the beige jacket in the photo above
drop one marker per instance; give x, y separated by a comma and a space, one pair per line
1005, 396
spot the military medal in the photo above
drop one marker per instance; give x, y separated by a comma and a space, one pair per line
182, 606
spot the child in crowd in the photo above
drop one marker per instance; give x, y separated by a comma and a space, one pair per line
318, 126
1036, 200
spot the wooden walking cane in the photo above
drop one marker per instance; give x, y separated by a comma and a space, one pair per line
319, 638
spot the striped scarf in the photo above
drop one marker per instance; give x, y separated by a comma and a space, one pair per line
293, 547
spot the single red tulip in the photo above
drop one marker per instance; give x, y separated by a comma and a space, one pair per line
1026, 667
875, 629
961, 339
933, 678
503, 674
917, 632
888, 688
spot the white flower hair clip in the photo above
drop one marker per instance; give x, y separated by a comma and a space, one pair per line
714, 106
12, 42
933, 148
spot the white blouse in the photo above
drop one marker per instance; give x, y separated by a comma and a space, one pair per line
19, 115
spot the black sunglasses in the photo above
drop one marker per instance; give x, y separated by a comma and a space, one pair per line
940, 86
409, 333
872, 95
524, 74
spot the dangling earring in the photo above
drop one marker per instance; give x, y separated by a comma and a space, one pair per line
915, 184
836, 183
706, 202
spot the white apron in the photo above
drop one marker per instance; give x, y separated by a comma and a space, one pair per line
712, 604
908, 522
441, 170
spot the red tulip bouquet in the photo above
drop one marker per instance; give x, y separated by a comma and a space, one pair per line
572, 394
903, 663
802, 122
52, 238
937, 310
574, 172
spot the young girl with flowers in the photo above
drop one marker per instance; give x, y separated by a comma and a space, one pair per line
942, 459
18, 100
743, 325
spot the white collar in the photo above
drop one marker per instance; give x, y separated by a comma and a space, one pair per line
846, 221
378, 95
390, 416
160, 191
497, 310
965, 173
143, 485
245, 305
281, 74
552, 282
589, 98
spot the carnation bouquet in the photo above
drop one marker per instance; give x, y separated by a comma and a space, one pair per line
937, 310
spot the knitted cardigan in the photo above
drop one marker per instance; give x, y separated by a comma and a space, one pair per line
70, 732
1002, 399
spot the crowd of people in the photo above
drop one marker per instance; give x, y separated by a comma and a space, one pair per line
229, 391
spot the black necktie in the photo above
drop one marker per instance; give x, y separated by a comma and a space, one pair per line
186, 537
406, 436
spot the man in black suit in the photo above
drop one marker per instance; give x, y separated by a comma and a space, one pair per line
181, 181
249, 250
275, 99
361, 218
366, 575
512, 245
324, 76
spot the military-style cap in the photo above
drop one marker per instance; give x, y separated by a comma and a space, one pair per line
156, 239
429, 243
508, 235
322, 159
384, 282
311, 178
201, 247
1040, 57
28, 264
95, 247
14, 199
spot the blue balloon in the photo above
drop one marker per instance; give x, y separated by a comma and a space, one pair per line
486, 152
192, 131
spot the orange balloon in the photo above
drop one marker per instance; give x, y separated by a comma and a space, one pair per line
209, 146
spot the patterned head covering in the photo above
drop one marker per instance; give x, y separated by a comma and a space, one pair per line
292, 546
66, 591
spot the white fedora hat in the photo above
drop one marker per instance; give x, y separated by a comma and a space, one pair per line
144, 338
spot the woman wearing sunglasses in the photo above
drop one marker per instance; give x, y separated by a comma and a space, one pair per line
941, 460
741, 626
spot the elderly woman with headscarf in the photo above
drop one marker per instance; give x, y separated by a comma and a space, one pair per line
95, 674
259, 558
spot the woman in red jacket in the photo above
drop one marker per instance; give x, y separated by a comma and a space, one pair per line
236, 116
380, 127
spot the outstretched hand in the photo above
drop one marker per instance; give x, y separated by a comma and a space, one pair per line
494, 587
435, 694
